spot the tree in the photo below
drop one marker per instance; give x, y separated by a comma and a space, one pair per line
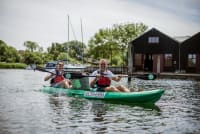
62, 56
76, 49
109, 43
3, 50
12, 55
32, 57
30, 45
47, 57
73, 50
56, 49
8, 53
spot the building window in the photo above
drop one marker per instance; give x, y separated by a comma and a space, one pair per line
192, 60
168, 60
138, 59
153, 40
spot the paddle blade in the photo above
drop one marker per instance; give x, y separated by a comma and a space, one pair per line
74, 75
151, 76
33, 66
147, 76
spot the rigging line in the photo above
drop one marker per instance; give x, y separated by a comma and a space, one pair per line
72, 28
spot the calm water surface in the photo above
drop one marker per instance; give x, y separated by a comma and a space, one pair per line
26, 110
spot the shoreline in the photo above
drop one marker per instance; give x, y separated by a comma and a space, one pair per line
4, 65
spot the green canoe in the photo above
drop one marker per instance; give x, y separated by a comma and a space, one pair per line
131, 97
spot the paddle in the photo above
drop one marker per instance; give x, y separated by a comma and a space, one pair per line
77, 75
34, 67
67, 74
144, 77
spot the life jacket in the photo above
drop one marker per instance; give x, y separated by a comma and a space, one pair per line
103, 82
58, 78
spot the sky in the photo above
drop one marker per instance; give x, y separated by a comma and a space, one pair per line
46, 21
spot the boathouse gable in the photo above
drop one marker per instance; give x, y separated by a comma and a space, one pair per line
151, 50
155, 42
190, 54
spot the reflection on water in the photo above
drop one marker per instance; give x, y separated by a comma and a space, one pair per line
99, 110
24, 109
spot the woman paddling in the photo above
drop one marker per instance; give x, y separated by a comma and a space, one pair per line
57, 78
103, 79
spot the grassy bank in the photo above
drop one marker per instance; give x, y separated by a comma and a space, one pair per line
12, 65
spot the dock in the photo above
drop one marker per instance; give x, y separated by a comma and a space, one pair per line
163, 75
170, 75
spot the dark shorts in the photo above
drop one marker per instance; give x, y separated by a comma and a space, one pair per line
101, 89
56, 85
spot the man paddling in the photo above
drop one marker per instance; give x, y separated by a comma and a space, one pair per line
57, 78
103, 79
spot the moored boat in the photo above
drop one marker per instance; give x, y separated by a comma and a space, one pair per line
67, 66
130, 97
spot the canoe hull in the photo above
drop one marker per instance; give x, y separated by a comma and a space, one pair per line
131, 97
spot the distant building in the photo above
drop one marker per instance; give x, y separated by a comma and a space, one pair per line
156, 52
190, 54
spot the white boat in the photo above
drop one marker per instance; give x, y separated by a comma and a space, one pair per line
67, 66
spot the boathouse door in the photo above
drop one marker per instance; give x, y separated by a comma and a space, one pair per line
148, 62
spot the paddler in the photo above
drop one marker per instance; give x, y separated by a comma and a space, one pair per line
103, 79
57, 78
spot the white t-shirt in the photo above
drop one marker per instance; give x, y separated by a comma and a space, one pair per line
107, 73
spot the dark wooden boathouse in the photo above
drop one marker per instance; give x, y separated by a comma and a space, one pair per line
190, 54
155, 52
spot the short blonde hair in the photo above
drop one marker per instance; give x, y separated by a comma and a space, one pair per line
103, 61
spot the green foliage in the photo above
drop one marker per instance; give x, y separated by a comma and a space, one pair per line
47, 57
116, 60
12, 65
3, 51
33, 57
62, 56
114, 41
69, 50
56, 49
8, 53
31, 46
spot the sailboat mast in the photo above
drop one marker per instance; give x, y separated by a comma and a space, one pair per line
68, 27
82, 40
67, 36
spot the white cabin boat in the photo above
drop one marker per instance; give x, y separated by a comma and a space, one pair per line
67, 66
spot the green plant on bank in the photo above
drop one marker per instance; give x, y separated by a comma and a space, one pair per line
12, 65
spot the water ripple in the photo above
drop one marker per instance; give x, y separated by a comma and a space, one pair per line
24, 109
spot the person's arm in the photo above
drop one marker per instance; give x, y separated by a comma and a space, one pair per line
94, 80
49, 76
117, 78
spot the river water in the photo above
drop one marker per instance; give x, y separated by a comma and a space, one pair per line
26, 110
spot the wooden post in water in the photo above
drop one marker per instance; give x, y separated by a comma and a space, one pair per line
129, 75
129, 78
